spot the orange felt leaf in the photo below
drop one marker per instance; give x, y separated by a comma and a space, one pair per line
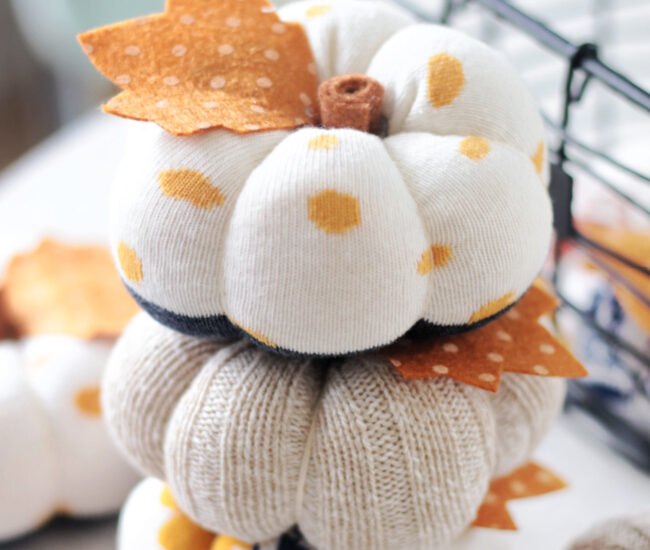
530, 480
636, 247
515, 342
63, 289
208, 64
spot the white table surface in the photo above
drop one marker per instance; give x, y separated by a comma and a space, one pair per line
61, 190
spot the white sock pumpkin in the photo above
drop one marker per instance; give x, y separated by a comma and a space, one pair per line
330, 241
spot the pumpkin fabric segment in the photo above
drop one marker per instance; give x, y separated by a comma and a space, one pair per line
334, 241
56, 456
252, 443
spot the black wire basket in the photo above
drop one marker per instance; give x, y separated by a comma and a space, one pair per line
572, 159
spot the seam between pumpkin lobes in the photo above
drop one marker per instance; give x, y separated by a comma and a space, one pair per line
425, 232
221, 263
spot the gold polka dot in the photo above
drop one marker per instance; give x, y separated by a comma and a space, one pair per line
167, 499
438, 255
495, 357
130, 263
450, 347
225, 49
446, 79
191, 186
504, 336
425, 265
541, 370
334, 212
538, 157
87, 401
315, 11
224, 542
441, 254
492, 307
474, 147
548, 349
324, 141
180, 533
487, 377
440, 369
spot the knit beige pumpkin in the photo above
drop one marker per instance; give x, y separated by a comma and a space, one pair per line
358, 457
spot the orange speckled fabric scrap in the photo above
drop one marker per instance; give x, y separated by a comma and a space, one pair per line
515, 342
201, 65
530, 480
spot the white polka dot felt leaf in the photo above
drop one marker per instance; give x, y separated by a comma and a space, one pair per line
324, 241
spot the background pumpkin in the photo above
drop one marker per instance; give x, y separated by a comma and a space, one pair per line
56, 456
327, 242
252, 443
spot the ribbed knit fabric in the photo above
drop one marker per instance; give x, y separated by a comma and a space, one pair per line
524, 410
389, 462
148, 372
324, 241
630, 533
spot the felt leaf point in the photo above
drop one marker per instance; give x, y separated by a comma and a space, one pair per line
530, 480
515, 342
206, 64
62, 289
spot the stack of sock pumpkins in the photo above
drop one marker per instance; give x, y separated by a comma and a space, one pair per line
328, 179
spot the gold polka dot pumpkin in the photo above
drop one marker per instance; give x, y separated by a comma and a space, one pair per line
324, 241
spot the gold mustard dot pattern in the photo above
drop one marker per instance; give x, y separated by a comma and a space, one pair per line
493, 307
474, 147
334, 212
316, 11
446, 79
191, 186
87, 401
538, 158
438, 255
325, 142
130, 264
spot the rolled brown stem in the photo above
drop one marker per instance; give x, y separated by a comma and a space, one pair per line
351, 101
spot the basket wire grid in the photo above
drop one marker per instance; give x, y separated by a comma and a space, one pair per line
571, 157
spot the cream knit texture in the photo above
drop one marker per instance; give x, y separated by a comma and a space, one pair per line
332, 241
393, 463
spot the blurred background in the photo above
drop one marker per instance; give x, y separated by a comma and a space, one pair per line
45, 79
586, 61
